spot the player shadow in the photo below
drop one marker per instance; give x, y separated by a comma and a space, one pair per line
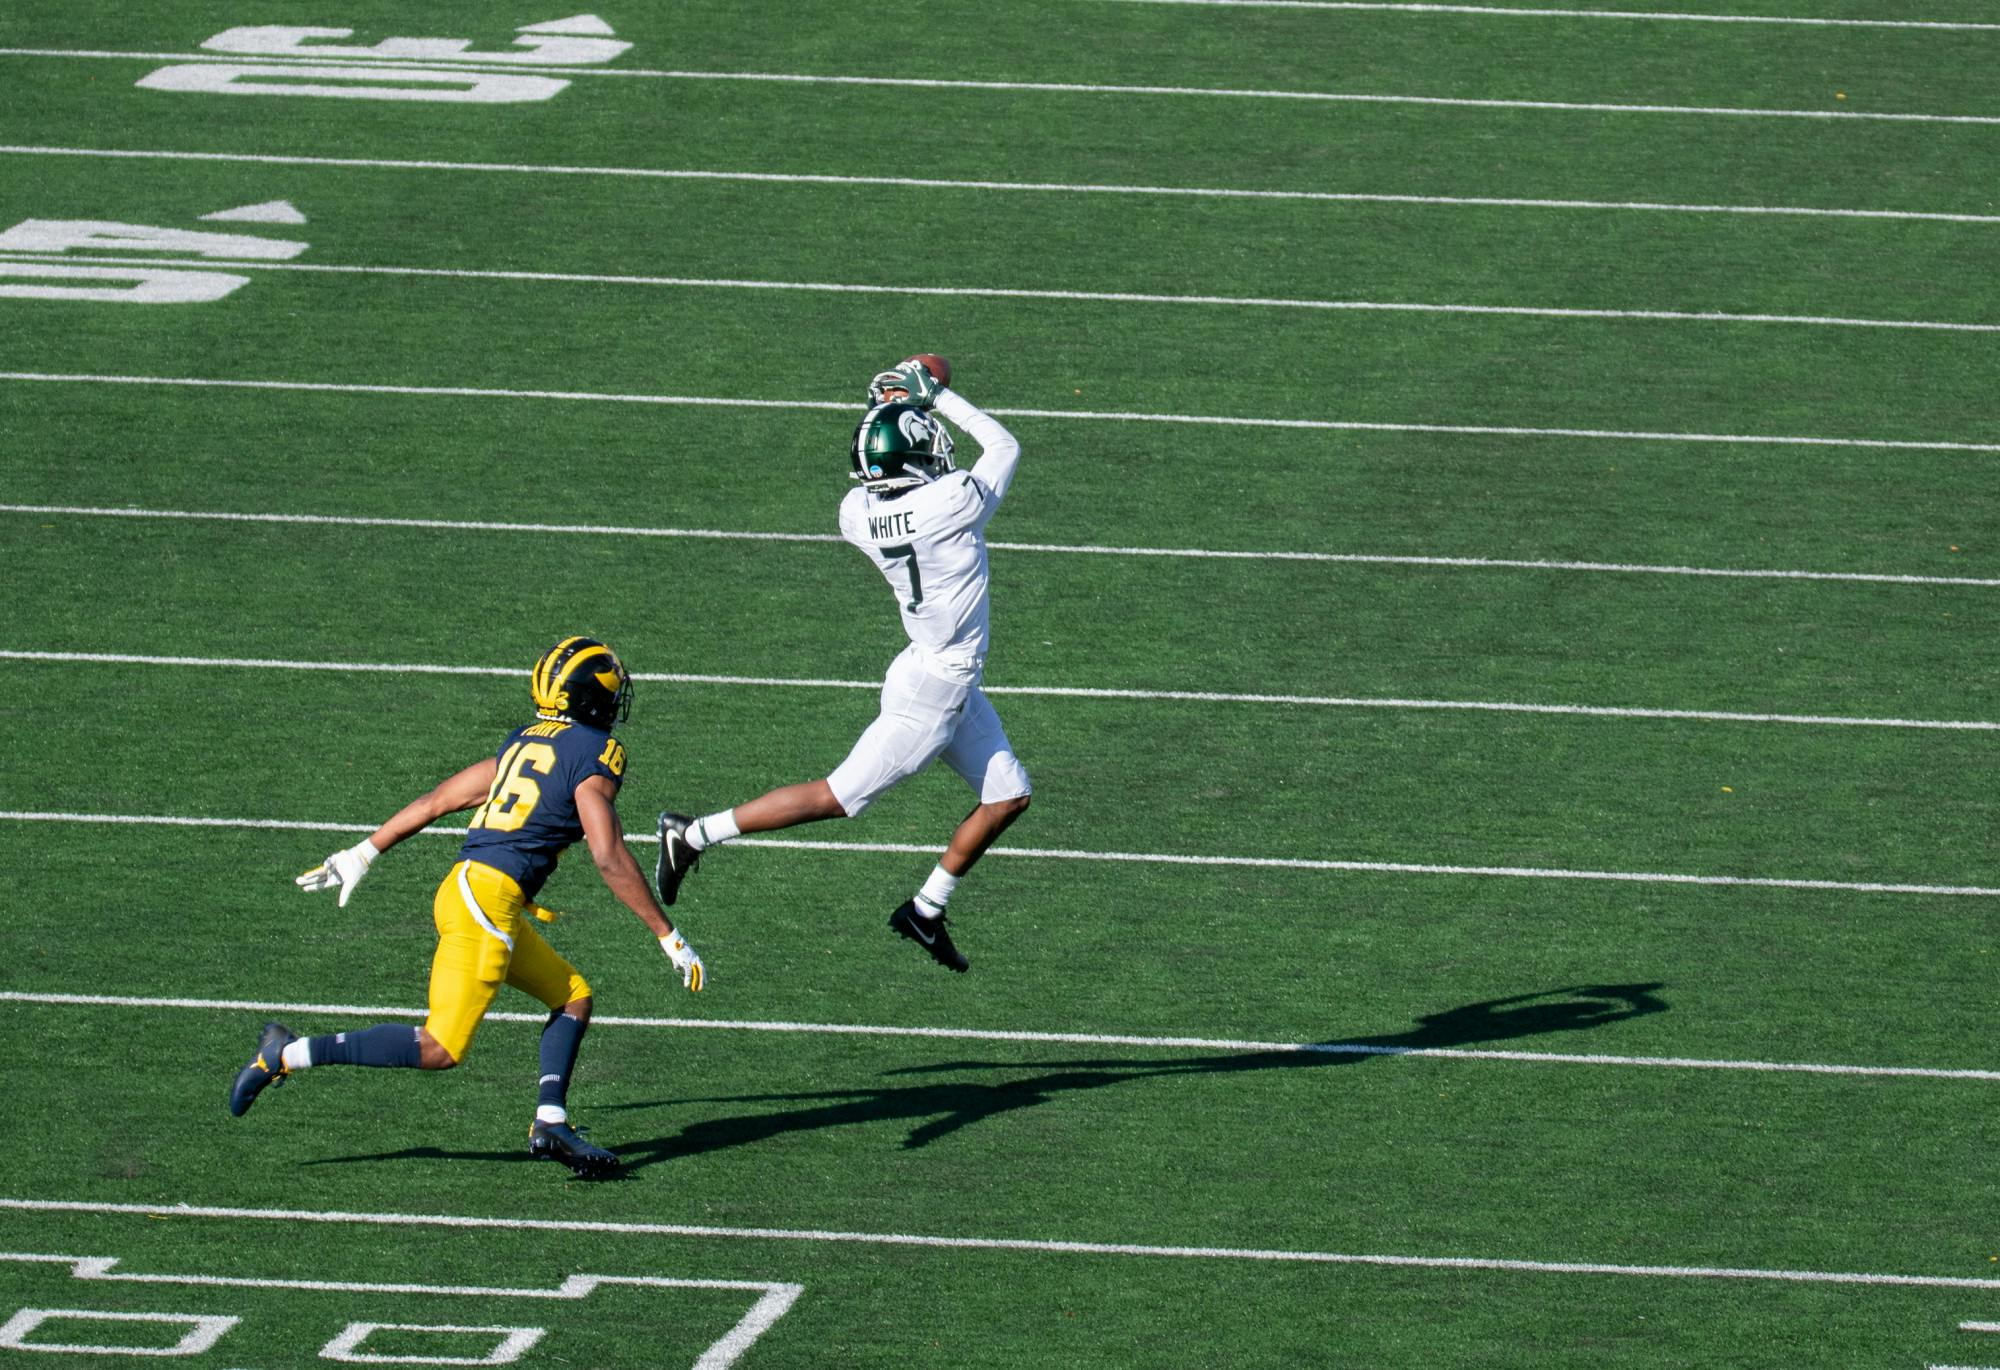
937, 1110
428, 1153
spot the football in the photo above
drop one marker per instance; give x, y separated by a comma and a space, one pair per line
934, 364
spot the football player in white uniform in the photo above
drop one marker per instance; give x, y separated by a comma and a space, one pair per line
922, 522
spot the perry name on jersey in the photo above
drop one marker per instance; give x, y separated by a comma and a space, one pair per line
927, 544
529, 816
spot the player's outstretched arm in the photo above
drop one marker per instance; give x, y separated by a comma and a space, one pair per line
343, 870
464, 790
999, 450
596, 807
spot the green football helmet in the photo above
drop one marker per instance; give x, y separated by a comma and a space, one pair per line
899, 447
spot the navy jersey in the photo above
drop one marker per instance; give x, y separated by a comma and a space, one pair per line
529, 816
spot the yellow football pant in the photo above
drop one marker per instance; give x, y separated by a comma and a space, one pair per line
487, 938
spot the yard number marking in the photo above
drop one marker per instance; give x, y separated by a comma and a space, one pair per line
139, 283
203, 1332
577, 41
514, 1342
580, 40
774, 1300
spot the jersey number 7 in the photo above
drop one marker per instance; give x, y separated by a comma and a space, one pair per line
907, 553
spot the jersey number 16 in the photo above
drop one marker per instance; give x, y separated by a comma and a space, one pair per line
514, 794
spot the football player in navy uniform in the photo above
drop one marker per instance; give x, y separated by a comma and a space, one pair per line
554, 780
921, 522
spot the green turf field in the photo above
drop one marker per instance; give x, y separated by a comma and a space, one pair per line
1498, 603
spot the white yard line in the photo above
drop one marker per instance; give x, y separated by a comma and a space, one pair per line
1384, 6
1082, 415
1040, 187
906, 1239
1057, 691
578, 1286
1035, 87
1080, 549
1065, 854
1092, 1039
1013, 293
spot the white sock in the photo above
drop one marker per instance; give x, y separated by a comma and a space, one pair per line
704, 833
298, 1054
551, 1113
936, 892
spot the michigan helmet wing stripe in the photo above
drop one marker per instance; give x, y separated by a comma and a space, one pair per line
544, 680
569, 668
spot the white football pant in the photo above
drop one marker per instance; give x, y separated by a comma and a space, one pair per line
924, 717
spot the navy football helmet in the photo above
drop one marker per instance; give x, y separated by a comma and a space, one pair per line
582, 680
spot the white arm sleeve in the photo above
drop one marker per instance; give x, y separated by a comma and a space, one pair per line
850, 515
999, 451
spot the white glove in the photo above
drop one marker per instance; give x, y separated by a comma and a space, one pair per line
684, 959
342, 871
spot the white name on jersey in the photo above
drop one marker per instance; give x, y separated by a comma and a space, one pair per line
897, 525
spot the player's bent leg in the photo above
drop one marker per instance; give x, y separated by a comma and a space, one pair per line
552, 1136
982, 756
480, 915
540, 970
281, 1053
985, 760
920, 714
810, 801
890, 751
431, 1053
979, 751
684, 839
921, 918
393, 1045
979, 830
460, 994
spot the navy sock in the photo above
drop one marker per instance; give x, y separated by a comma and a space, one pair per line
391, 1044
560, 1040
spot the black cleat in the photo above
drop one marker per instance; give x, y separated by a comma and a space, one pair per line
266, 1068
561, 1142
929, 934
677, 858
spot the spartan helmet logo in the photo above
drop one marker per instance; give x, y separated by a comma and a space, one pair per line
899, 447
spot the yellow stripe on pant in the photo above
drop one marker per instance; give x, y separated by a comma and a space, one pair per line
486, 939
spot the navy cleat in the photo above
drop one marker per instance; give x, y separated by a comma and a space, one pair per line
677, 858
266, 1068
929, 934
561, 1142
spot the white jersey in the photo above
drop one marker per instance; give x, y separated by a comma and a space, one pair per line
930, 545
